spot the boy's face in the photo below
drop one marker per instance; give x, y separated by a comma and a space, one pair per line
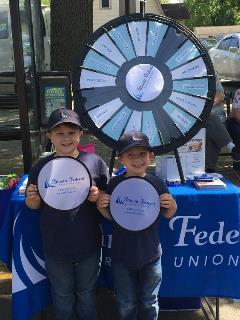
65, 139
136, 160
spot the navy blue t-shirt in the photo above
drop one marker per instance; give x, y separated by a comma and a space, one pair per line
73, 234
136, 248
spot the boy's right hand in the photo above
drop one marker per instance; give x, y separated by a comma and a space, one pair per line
103, 200
32, 199
32, 194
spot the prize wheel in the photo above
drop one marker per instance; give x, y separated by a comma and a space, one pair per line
144, 73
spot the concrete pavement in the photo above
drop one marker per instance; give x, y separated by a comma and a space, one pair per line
229, 310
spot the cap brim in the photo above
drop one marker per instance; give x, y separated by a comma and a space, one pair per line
134, 146
67, 121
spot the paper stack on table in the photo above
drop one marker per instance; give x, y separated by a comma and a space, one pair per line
214, 184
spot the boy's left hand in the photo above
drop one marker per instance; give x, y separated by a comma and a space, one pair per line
94, 194
167, 201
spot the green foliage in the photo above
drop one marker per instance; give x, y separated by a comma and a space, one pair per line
45, 2
8, 181
213, 12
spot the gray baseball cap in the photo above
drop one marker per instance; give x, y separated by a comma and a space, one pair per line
63, 115
133, 139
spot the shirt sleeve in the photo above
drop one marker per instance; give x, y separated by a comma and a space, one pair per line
158, 183
34, 172
33, 176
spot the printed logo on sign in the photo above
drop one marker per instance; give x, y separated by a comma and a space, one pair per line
138, 34
54, 182
142, 87
135, 202
63, 115
136, 139
99, 64
55, 92
100, 114
193, 86
49, 185
28, 264
189, 235
96, 80
181, 119
107, 48
119, 120
133, 206
190, 69
149, 132
155, 36
144, 82
185, 101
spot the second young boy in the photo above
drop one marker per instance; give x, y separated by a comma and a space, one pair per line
136, 255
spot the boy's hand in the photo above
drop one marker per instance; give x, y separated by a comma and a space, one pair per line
166, 200
103, 200
32, 199
32, 193
168, 204
94, 194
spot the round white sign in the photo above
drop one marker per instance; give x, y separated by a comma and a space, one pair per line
144, 82
64, 183
135, 204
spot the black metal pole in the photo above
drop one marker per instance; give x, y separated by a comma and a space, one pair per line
127, 9
179, 165
142, 6
112, 161
20, 84
217, 309
33, 72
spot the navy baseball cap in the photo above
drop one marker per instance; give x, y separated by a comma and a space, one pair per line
133, 139
63, 115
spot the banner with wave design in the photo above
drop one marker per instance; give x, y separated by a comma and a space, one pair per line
24, 257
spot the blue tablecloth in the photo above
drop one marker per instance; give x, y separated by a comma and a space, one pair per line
5, 196
201, 248
201, 244
21, 250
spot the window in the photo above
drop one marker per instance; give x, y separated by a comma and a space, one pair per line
4, 33
224, 44
234, 43
105, 4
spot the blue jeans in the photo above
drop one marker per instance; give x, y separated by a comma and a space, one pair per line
137, 290
73, 287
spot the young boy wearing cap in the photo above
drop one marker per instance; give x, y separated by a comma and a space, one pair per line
71, 240
136, 255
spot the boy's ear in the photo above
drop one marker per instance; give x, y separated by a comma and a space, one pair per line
48, 135
151, 155
120, 158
